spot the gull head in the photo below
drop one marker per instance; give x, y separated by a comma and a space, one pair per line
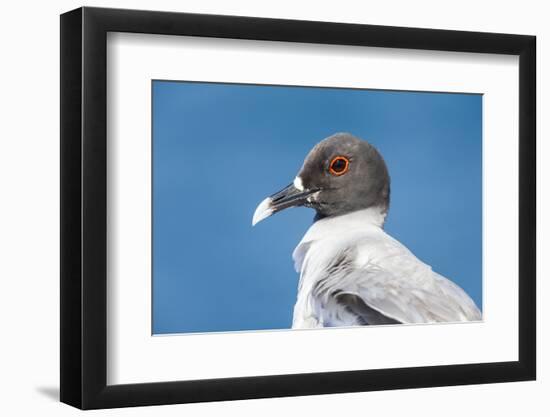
341, 174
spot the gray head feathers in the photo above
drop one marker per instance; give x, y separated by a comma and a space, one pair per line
365, 183
340, 175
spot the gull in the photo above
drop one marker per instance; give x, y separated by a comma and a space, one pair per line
352, 273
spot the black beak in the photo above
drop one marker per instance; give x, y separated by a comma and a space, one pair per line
289, 196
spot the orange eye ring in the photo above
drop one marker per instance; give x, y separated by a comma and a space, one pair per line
339, 165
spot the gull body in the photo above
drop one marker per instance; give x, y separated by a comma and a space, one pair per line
351, 271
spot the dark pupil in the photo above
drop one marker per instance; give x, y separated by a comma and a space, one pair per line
339, 165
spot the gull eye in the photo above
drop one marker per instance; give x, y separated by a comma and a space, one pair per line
339, 165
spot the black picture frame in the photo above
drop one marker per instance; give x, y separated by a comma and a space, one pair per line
84, 197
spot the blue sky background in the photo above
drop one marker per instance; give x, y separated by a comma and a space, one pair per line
219, 149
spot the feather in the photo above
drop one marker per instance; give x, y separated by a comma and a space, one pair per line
353, 273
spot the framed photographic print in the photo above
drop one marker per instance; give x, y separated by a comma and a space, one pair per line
258, 207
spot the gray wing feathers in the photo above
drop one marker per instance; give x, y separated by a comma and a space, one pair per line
363, 312
377, 295
411, 301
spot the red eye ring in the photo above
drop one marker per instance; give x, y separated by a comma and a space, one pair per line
339, 165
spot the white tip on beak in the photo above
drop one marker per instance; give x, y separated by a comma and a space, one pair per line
262, 211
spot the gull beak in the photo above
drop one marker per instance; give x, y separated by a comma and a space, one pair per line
290, 196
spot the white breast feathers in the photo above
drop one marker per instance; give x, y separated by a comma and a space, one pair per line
354, 273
